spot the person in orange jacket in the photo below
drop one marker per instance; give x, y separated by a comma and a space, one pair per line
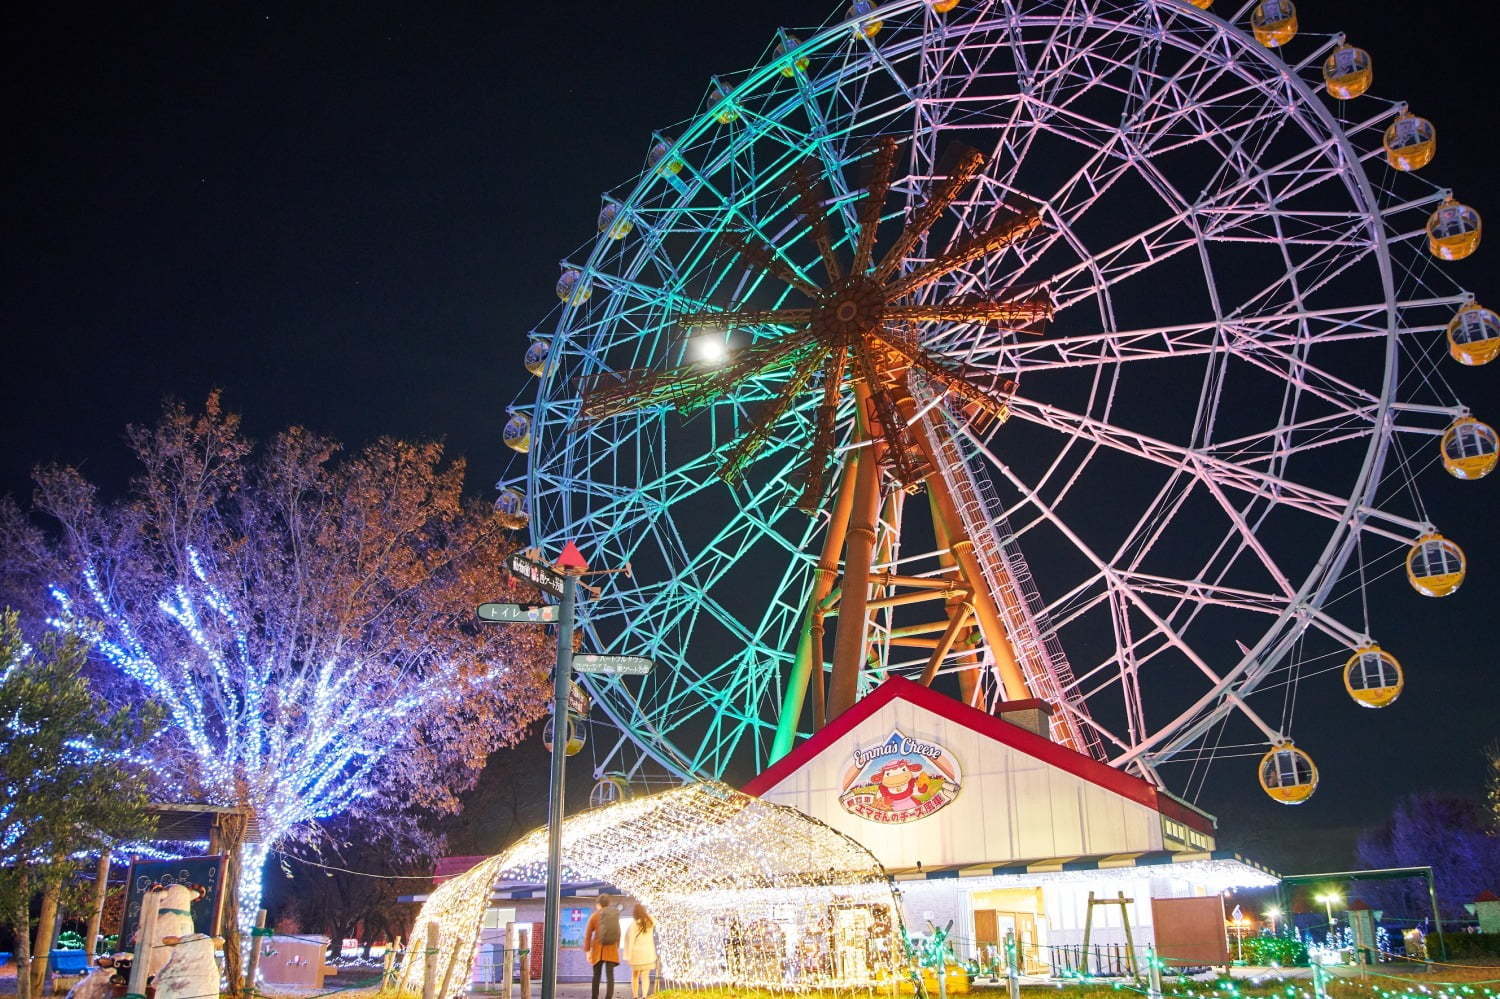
601, 944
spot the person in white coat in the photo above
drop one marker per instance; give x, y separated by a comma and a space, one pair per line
640, 951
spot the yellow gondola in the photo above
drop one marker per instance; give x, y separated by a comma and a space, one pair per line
718, 99
942, 6
1474, 335
1410, 142
1373, 677
1202, 4
789, 44
577, 737
611, 223
572, 288
659, 160
1288, 774
1347, 72
868, 28
1435, 566
517, 433
510, 509
1453, 230
1469, 448
536, 356
1274, 22
609, 789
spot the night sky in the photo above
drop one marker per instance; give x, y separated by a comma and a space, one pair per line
349, 216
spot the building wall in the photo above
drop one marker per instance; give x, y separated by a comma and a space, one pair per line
1010, 805
1060, 910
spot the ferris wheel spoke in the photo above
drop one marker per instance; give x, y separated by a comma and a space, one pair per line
762, 429
755, 249
1002, 233
882, 164
1244, 479
1221, 684
938, 200
814, 206
1279, 330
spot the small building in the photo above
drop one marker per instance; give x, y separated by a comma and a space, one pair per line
988, 828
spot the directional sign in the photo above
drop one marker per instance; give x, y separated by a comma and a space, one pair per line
536, 573
613, 665
518, 613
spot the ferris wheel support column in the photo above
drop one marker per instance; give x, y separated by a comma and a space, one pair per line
849, 647
808, 664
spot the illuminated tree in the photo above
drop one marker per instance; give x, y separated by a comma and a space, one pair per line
70, 781
1450, 833
305, 619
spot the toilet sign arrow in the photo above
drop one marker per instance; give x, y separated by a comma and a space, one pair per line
613, 665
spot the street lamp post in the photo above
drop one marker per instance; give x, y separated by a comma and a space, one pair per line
1329, 899
1273, 914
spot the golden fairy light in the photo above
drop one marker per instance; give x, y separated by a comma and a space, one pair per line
744, 892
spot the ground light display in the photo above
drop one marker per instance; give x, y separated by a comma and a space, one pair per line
1081, 351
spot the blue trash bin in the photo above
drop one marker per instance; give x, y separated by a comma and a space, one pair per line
69, 962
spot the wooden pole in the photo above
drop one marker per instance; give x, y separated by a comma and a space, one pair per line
96, 913
448, 973
508, 957
1135, 969
46, 927
429, 958
256, 946
405, 965
525, 956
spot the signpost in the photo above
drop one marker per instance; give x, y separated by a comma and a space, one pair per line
538, 574
518, 613
561, 581
613, 665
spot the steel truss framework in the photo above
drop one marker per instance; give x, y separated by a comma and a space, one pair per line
1201, 450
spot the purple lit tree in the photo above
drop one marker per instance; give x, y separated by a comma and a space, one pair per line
1448, 832
305, 619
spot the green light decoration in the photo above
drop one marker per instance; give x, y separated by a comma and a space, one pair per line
929, 950
1285, 952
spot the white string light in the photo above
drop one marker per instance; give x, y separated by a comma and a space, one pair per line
744, 892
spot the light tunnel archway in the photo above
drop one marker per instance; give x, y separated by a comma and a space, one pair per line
743, 891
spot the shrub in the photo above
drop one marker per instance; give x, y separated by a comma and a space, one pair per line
1470, 944
1285, 951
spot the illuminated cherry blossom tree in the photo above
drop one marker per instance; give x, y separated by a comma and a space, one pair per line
305, 617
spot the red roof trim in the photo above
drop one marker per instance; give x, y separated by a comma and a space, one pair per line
1004, 732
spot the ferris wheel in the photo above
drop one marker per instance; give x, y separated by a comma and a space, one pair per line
1080, 350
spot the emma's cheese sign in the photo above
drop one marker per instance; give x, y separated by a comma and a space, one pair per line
900, 779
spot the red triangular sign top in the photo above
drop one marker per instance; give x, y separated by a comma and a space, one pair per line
571, 558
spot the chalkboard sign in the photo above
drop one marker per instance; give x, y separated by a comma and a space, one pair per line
205, 871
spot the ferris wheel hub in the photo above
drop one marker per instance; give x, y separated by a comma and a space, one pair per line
851, 307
